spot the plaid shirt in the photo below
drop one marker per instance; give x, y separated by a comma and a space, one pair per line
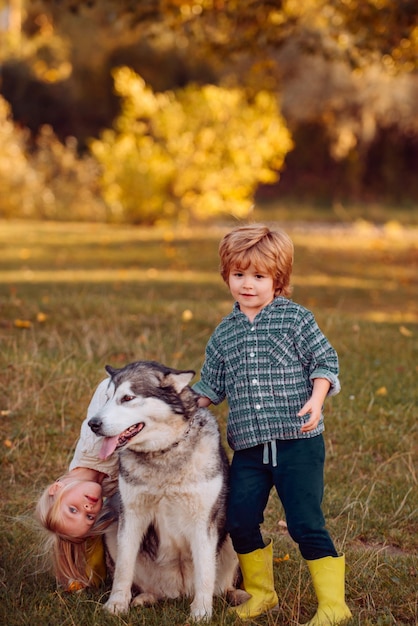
265, 369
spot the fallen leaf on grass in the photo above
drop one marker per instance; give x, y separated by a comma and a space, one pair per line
382, 391
279, 559
405, 331
187, 315
41, 317
8, 443
22, 323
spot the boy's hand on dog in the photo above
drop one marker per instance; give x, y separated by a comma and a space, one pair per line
203, 402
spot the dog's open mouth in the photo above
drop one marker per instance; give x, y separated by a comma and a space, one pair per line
110, 444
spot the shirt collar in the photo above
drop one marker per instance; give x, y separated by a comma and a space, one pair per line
278, 301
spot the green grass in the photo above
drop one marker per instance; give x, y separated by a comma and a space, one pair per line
75, 297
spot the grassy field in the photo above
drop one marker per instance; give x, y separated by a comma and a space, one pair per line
75, 297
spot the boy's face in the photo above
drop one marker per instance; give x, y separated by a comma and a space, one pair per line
252, 289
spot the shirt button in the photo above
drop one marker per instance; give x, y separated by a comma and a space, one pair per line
252, 355
254, 381
258, 407
252, 329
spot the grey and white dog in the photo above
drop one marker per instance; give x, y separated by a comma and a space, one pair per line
171, 538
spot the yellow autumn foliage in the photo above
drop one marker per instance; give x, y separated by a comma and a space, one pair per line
16, 175
195, 152
43, 178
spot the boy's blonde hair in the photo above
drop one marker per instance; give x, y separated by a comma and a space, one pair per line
68, 555
270, 251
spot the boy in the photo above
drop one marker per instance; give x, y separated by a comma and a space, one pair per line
275, 367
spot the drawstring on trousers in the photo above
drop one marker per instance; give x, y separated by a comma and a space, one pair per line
273, 453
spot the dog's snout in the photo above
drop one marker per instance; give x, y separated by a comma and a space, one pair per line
95, 424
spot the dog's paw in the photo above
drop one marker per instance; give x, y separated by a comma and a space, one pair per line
199, 613
235, 597
144, 599
200, 616
117, 604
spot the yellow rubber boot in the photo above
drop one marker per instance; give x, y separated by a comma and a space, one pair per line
257, 572
328, 577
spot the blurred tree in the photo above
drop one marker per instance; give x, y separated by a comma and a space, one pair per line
346, 68
11, 20
189, 153
16, 175
47, 179
12, 11
379, 29
70, 182
217, 30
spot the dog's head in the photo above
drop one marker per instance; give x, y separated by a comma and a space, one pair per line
148, 408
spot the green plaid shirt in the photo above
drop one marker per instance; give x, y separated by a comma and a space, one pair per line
265, 370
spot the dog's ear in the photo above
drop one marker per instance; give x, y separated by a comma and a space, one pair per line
110, 370
179, 380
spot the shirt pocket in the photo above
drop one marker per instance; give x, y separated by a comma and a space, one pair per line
290, 381
282, 353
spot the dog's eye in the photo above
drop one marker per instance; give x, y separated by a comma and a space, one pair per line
127, 398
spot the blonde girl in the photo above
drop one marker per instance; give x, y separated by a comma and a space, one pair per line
72, 512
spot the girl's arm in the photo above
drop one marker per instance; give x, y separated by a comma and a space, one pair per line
314, 404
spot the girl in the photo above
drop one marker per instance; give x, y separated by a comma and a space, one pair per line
71, 509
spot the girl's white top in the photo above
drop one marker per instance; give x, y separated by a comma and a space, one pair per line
87, 450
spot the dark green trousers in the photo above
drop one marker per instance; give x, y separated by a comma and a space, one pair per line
298, 478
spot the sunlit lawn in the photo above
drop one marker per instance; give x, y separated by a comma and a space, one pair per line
362, 269
75, 297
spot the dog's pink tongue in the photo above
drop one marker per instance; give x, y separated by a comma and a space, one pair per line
108, 446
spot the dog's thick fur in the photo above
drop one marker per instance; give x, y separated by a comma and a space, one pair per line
171, 538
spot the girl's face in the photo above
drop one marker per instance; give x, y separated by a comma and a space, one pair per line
252, 289
80, 503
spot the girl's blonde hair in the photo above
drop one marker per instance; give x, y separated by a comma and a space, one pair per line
270, 251
68, 555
